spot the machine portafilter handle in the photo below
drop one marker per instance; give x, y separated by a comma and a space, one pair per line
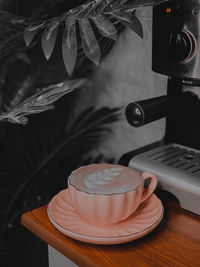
146, 111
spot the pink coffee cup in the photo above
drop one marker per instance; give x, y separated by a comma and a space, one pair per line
107, 193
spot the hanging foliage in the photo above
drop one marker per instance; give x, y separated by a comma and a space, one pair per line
86, 31
101, 13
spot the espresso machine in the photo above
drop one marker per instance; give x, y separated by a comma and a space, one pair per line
175, 159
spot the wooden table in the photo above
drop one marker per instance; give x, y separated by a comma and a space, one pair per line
175, 242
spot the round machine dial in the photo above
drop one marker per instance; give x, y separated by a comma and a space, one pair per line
182, 45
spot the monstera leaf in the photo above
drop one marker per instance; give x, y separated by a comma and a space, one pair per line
41, 101
99, 14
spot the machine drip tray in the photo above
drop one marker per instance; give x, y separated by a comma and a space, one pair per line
178, 171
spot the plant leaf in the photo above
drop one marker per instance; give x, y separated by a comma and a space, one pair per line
31, 31
89, 41
49, 38
40, 101
35, 26
69, 46
86, 10
98, 8
105, 27
130, 21
29, 35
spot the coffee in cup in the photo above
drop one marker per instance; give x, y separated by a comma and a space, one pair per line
108, 193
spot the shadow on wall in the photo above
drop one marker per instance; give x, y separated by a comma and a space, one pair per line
125, 76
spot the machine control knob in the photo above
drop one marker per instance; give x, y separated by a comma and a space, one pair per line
182, 45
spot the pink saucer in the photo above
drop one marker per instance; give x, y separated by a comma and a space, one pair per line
63, 216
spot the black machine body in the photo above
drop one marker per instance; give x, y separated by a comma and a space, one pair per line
175, 53
176, 40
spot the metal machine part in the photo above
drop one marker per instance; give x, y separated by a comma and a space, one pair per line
178, 170
176, 42
142, 112
176, 160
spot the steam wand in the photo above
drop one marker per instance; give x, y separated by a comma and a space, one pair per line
142, 112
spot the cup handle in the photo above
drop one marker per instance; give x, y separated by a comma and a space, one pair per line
152, 186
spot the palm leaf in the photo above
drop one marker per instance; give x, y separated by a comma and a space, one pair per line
105, 27
41, 101
69, 46
89, 41
31, 31
130, 21
49, 38
29, 35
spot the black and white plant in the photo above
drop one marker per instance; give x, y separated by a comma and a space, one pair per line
85, 31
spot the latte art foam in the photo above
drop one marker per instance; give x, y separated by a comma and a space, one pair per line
105, 179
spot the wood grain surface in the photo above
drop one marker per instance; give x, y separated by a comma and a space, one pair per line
175, 242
